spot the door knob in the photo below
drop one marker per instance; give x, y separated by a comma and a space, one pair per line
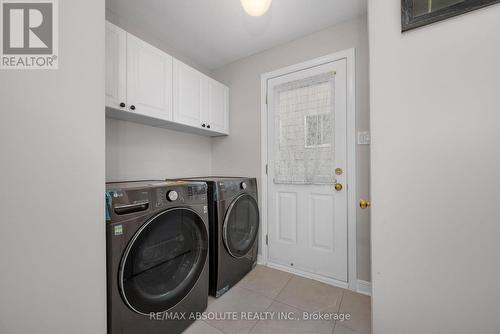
339, 186
364, 203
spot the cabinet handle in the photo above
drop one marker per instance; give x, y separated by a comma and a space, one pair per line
208, 126
122, 104
203, 125
132, 107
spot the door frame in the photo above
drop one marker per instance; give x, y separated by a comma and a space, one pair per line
350, 56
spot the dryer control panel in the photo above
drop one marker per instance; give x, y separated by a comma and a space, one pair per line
229, 188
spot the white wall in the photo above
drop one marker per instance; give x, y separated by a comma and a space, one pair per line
138, 152
435, 113
239, 154
52, 229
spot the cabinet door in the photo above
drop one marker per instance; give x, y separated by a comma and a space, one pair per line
149, 80
218, 106
188, 95
116, 53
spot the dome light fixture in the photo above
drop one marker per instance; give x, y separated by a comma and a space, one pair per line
256, 7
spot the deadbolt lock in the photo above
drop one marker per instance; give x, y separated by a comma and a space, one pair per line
339, 171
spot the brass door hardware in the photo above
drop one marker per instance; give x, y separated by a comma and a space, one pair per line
364, 203
338, 186
339, 171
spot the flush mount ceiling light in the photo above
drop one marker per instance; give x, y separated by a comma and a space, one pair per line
256, 7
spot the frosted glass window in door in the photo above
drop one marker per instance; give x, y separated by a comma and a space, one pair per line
304, 119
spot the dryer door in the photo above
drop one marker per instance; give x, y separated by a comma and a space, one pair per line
163, 261
241, 225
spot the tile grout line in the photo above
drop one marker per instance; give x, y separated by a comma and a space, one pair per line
272, 300
264, 295
267, 308
253, 291
299, 308
338, 311
284, 303
284, 286
213, 327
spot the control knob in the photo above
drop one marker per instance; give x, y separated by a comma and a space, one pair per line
172, 195
243, 185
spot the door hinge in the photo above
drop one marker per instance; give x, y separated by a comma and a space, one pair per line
266, 169
267, 101
267, 239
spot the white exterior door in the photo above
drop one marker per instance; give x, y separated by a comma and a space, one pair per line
116, 66
149, 80
307, 163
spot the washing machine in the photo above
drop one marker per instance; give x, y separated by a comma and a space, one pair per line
234, 229
157, 255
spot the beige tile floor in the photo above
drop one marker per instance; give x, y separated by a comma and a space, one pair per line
269, 290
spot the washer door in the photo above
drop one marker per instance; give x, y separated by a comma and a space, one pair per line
241, 225
163, 261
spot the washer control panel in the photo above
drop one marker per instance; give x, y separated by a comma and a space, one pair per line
124, 199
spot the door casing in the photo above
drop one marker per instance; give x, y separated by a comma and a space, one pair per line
350, 56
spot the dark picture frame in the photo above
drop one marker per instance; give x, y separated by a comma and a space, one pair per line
411, 21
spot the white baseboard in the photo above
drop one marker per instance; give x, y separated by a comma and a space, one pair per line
305, 274
365, 287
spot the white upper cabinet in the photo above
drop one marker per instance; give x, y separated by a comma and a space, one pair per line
200, 101
116, 84
146, 85
218, 106
149, 80
188, 95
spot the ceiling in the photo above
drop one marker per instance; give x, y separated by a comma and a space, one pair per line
213, 33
